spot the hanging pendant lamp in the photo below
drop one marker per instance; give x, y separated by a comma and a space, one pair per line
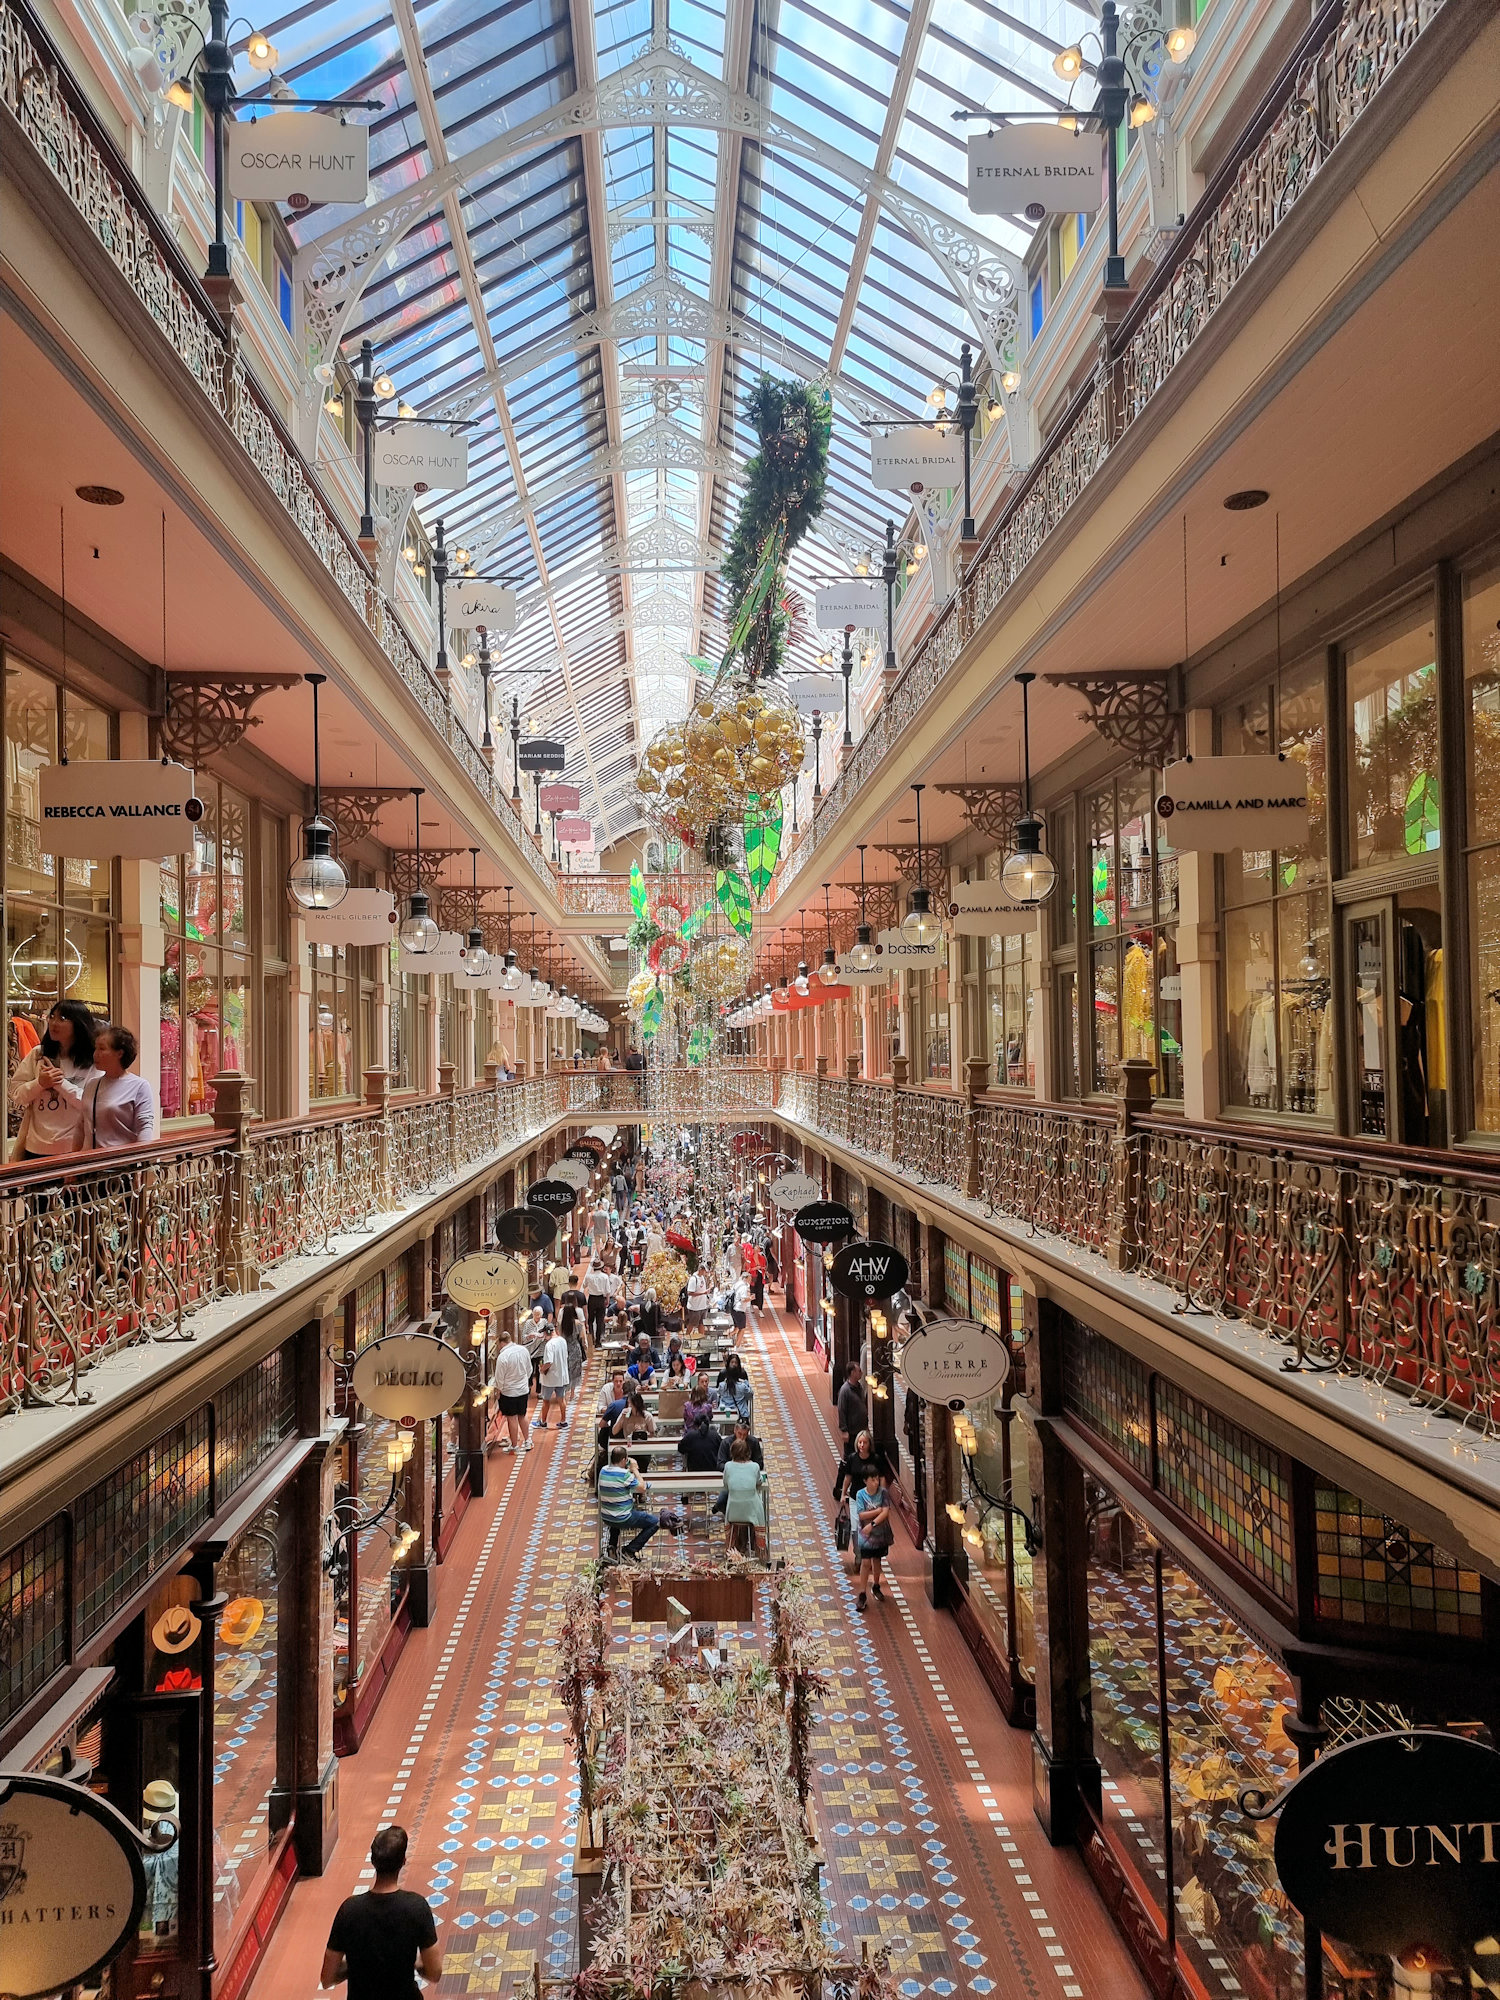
920, 925
828, 971
476, 958
862, 958
1029, 875
316, 880
419, 933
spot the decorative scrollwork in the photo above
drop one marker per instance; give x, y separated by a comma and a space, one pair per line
208, 713
1131, 708
990, 809
354, 809
924, 864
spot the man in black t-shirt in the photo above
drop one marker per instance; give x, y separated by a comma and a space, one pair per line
381, 1939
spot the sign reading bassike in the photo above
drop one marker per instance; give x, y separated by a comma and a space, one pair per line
141, 809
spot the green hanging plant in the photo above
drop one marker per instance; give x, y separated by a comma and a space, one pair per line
734, 900
638, 890
784, 487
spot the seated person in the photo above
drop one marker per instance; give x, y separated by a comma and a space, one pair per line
677, 1370
699, 1407
745, 1509
732, 1391
635, 1421
643, 1363
742, 1434
621, 1491
612, 1398
698, 1448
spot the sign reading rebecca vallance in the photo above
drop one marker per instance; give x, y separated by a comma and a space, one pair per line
1211, 805
299, 157
141, 809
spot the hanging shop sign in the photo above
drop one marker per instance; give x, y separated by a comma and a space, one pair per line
1035, 170
913, 458
895, 949
573, 832
485, 1282
572, 1173
559, 798
468, 605
795, 1190
839, 605
824, 1222
299, 157
72, 1883
586, 1149
954, 1362
554, 1198
542, 753
449, 954
1394, 1841
1211, 805
408, 1375
421, 456
142, 809
852, 975
366, 916
524, 1229
869, 1271
818, 696
982, 909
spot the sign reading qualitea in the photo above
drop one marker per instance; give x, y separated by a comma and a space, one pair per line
72, 1886
824, 1222
484, 1281
1211, 805
542, 753
142, 809
299, 157
554, 1198
954, 1361
982, 909
412, 1375
421, 455
1035, 170
869, 1271
1394, 1841
837, 606
913, 458
524, 1229
492, 605
366, 916
794, 1190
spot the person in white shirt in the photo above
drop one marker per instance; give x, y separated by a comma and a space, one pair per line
48, 1085
599, 1287
554, 1382
120, 1108
513, 1388
740, 1301
697, 1298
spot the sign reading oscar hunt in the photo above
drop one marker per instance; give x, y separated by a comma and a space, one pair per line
983, 909
824, 1222
1211, 805
72, 1886
913, 458
1394, 1841
366, 916
485, 1282
420, 456
469, 605
299, 157
794, 1190
869, 1271
141, 809
954, 1361
1035, 170
408, 1375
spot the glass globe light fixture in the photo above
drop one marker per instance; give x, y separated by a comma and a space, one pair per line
476, 958
828, 971
801, 979
419, 933
510, 978
316, 880
862, 957
1028, 875
920, 925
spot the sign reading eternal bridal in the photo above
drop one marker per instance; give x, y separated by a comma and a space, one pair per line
837, 606
410, 1375
913, 458
72, 1886
142, 809
1035, 170
954, 1362
1211, 805
299, 157
421, 455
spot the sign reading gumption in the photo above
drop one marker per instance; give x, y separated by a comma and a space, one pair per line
143, 809
794, 1190
869, 1271
1211, 805
299, 157
1035, 170
485, 1282
468, 605
408, 1375
840, 605
824, 1222
366, 916
72, 1886
421, 456
914, 458
1394, 1841
982, 909
954, 1362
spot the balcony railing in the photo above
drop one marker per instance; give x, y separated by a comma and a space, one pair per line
105, 1250
687, 1095
1357, 1260
1350, 53
609, 895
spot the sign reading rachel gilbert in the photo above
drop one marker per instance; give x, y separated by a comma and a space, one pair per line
954, 1361
413, 1375
1211, 805
72, 1886
869, 1271
141, 809
1394, 1841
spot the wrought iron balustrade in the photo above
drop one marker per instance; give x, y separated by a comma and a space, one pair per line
609, 895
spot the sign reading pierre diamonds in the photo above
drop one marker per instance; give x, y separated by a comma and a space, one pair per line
954, 1361
299, 157
1211, 805
1035, 170
142, 809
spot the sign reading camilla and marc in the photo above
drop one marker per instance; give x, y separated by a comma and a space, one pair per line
1212, 805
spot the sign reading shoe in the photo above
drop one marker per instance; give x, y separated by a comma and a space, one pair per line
485, 1282
954, 1361
408, 1375
72, 1884
867, 1271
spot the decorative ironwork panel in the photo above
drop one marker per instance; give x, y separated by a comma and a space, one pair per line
33, 1614
932, 1138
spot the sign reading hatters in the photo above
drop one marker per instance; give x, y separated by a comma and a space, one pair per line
72, 1882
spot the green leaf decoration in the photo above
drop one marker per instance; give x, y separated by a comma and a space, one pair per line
734, 900
700, 1041
693, 924
763, 823
651, 1015
637, 889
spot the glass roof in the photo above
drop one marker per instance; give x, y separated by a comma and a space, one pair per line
603, 458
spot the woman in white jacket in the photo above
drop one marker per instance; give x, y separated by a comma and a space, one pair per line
48, 1084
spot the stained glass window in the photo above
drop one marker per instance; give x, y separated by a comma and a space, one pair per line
1108, 1391
956, 1279
369, 1311
33, 1614
984, 1294
1375, 1572
1231, 1485
134, 1522
397, 1299
251, 1417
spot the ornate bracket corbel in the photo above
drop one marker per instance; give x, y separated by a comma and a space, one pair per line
355, 808
992, 810
404, 866
1136, 709
209, 712
918, 865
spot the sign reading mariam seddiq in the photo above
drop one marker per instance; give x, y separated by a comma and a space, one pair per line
913, 458
1035, 170
142, 809
299, 157
1212, 805
421, 455
954, 1362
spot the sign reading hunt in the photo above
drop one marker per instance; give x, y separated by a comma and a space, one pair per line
914, 458
542, 753
492, 605
840, 605
1211, 805
795, 1190
142, 809
524, 1229
1035, 170
485, 1281
954, 1362
559, 798
824, 1222
420, 456
299, 157
408, 1376
554, 1198
982, 909
1394, 1842
72, 1886
869, 1271
366, 916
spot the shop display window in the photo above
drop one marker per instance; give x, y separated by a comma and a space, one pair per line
1233, 1487
245, 1654
410, 1014
332, 1053
1132, 961
1481, 642
955, 1278
206, 979
1010, 977
995, 1479
368, 1591
1391, 728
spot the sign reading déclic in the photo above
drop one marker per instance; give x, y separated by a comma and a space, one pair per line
1035, 170
299, 157
408, 1376
1212, 805
140, 809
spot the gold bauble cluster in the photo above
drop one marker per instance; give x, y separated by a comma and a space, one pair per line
735, 744
721, 965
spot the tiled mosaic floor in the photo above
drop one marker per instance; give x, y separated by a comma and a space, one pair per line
922, 1792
